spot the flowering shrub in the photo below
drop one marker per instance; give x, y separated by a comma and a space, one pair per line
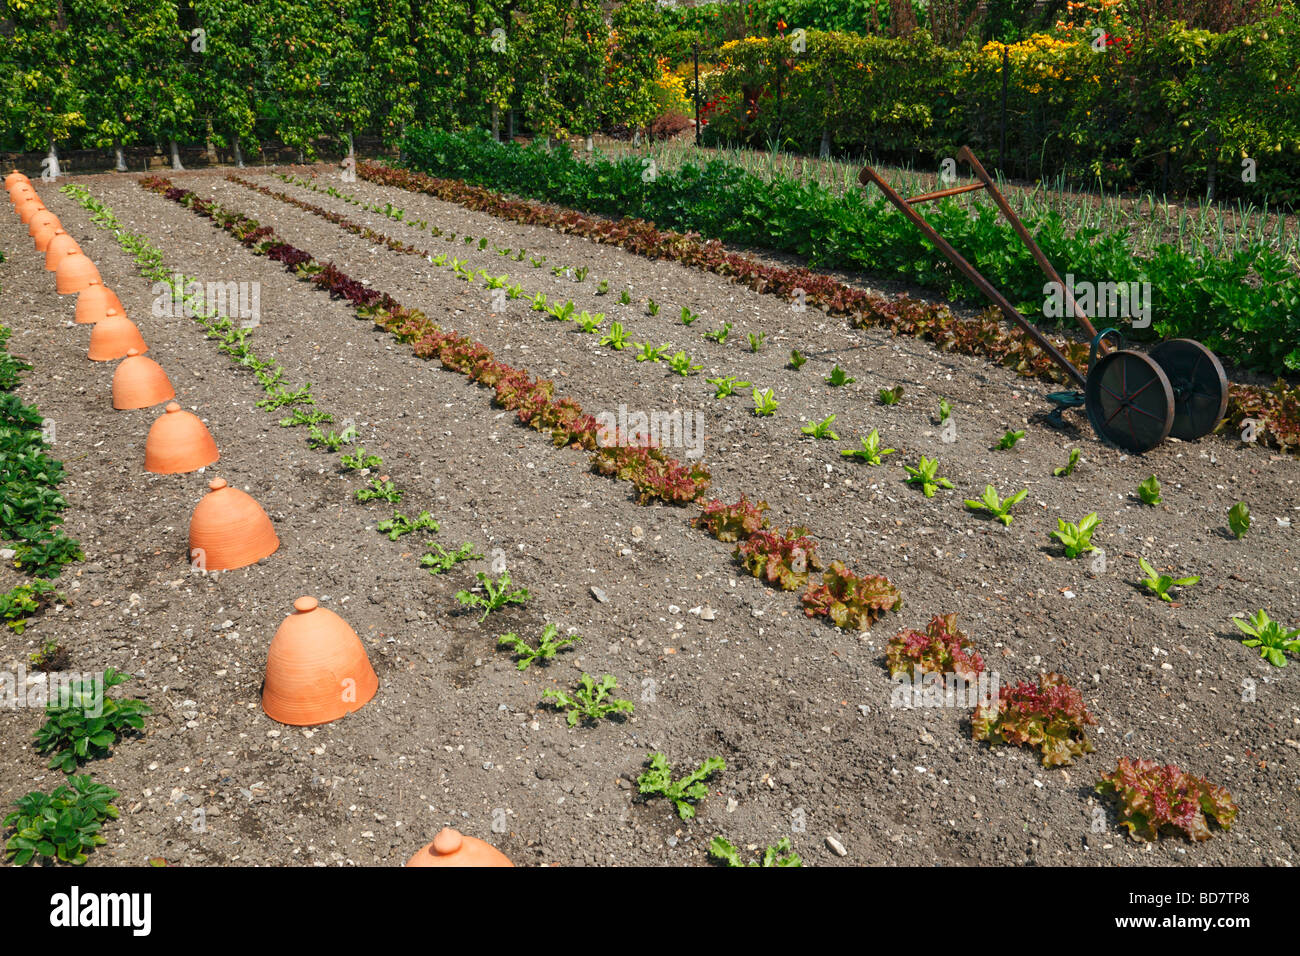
1050, 716
1152, 797
850, 600
939, 649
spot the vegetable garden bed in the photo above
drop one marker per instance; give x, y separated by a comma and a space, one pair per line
798, 711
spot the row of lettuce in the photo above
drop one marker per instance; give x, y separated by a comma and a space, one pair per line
1245, 307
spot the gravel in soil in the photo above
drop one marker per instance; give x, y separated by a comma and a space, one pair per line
799, 710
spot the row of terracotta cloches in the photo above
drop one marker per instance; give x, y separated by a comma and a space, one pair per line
317, 669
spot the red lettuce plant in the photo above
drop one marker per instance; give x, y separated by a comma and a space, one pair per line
939, 649
779, 558
730, 523
1050, 716
651, 472
850, 600
1152, 797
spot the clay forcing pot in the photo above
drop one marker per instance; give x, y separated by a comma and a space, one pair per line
229, 529
114, 338
178, 442
74, 273
45, 234
140, 382
28, 206
452, 848
40, 220
14, 178
316, 668
95, 303
58, 248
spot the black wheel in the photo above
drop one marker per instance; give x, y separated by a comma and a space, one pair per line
1200, 387
1129, 400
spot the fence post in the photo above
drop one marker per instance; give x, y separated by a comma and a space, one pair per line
1002, 148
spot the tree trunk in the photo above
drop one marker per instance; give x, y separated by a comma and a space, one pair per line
510, 125
825, 151
211, 149
121, 158
239, 154
51, 164
176, 154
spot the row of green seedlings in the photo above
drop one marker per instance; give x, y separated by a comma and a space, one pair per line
1277, 409
1050, 716
234, 341
31, 506
617, 337
84, 723
780, 558
783, 559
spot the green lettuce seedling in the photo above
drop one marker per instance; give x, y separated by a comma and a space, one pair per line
871, 453
1149, 491
1159, 584
1272, 639
590, 701
499, 595
821, 429
925, 474
658, 781
1239, 519
548, 645
839, 377
997, 508
765, 403
1076, 538
779, 855
726, 386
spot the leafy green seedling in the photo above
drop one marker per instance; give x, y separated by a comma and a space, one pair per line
280, 397
1239, 519
797, 360
726, 386
1066, 470
658, 781
499, 595
756, 340
839, 377
625, 298
590, 323
360, 460
1149, 491
996, 507
581, 273
651, 353
559, 270
871, 453
688, 317
589, 701
24, 601
563, 313
779, 855
652, 306
1159, 584
891, 396
331, 440
681, 364
945, 410
548, 645
537, 261
445, 560
380, 488
765, 403
925, 474
73, 734
539, 302
603, 287
821, 429
1272, 639
63, 825
1076, 538
616, 338
1009, 440
514, 291
303, 417
720, 335
399, 524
